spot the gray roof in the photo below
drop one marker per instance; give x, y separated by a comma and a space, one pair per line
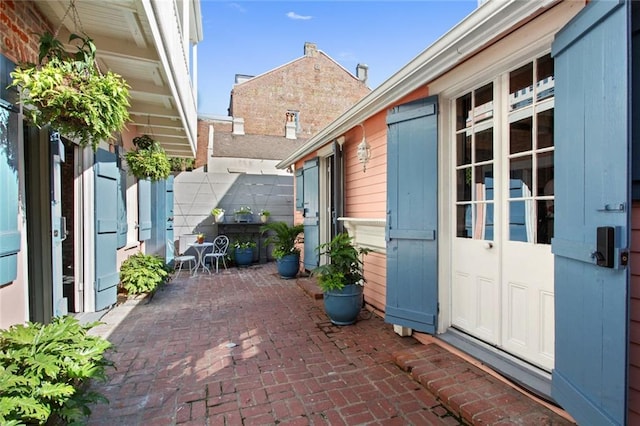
254, 146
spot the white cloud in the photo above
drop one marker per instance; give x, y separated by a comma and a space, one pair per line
293, 15
238, 7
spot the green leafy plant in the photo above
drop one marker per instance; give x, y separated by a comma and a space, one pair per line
283, 237
243, 245
68, 91
217, 211
181, 164
244, 210
265, 213
143, 273
44, 370
148, 160
345, 264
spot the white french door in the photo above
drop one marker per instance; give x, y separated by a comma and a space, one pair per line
502, 266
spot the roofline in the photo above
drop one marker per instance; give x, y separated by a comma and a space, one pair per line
455, 46
300, 58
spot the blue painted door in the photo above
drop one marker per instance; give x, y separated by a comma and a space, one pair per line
106, 227
592, 190
412, 217
311, 212
9, 234
144, 210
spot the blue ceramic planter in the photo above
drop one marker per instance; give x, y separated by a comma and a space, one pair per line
244, 257
343, 306
288, 266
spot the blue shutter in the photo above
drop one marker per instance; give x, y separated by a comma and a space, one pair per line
300, 189
9, 234
592, 190
169, 220
144, 209
412, 221
123, 227
106, 228
311, 214
337, 174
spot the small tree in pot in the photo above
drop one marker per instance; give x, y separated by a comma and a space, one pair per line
342, 279
284, 239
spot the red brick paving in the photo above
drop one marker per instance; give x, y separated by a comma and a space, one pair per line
244, 347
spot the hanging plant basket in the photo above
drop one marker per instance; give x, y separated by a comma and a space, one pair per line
148, 160
68, 92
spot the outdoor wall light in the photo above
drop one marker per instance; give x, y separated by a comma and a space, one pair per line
364, 151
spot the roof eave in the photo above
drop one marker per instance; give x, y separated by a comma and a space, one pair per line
462, 41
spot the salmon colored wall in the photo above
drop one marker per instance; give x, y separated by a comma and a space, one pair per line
366, 191
634, 318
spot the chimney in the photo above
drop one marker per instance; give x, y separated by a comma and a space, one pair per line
238, 126
362, 72
310, 49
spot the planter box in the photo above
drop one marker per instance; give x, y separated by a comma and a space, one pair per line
243, 217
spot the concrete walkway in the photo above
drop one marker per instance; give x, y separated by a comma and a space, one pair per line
244, 347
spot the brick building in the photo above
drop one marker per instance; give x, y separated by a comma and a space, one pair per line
270, 115
308, 92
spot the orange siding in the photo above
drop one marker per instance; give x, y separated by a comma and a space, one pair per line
634, 326
375, 290
365, 191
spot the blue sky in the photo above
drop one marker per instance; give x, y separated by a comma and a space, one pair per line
253, 37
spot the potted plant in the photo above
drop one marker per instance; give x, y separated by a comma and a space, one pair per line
264, 215
342, 279
148, 160
218, 215
243, 252
284, 239
243, 215
69, 92
200, 238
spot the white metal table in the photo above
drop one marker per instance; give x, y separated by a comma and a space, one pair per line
200, 249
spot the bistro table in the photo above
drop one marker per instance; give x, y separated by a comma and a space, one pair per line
200, 248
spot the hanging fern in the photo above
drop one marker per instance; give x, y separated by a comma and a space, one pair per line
148, 160
69, 93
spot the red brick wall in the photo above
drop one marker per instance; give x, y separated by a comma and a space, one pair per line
20, 26
634, 313
316, 86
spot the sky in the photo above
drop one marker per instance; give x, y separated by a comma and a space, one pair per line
253, 37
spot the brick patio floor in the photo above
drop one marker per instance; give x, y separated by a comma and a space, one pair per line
244, 347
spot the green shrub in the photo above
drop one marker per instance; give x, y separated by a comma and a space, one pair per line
143, 273
44, 371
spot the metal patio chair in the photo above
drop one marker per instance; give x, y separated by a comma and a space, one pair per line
220, 246
179, 257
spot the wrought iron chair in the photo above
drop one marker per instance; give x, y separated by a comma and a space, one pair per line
220, 246
180, 258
